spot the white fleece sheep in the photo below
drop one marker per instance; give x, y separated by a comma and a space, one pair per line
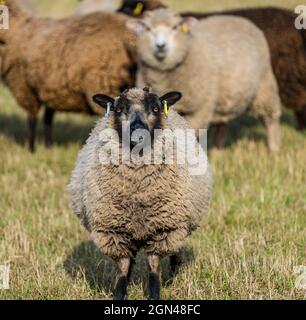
221, 65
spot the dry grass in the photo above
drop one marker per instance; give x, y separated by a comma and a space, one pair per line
246, 248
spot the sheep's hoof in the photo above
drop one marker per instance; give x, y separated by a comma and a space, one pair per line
154, 286
121, 289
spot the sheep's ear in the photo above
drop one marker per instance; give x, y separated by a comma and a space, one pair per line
133, 8
103, 100
136, 25
188, 23
171, 98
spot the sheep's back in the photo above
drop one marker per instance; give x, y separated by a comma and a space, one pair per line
82, 56
241, 67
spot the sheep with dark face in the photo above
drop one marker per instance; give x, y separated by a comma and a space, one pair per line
219, 79
131, 206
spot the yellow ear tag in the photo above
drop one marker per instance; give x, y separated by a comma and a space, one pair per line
166, 108
185, 28
138, 9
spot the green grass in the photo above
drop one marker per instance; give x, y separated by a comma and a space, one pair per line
246, 248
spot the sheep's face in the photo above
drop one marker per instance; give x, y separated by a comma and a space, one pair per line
163, 38
137, 110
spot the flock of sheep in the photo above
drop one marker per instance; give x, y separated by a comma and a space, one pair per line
220, 64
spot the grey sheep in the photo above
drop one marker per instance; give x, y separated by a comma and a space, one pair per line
220, 64
127, 207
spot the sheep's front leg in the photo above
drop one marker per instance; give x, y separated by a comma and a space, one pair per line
124, 266
176, 261
48, 119
32, 124
273, 133
219, 135
154, 277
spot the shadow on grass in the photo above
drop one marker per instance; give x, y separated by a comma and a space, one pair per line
65, 131
100, 270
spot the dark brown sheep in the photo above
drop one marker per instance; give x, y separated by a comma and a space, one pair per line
62, 63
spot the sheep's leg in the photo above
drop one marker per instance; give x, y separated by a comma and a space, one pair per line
154, 277
273, 134
48, 119
32, 124
267, 106
219, 135
124, 266
301, 118
176, 261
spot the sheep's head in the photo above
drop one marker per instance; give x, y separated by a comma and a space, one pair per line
163, 38
137, 109
136, 8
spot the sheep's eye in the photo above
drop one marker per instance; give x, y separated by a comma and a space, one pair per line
118, 110
156, 109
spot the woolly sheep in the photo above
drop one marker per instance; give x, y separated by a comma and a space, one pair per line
219, 79
62, 63
288, 52
287, 48
127, 207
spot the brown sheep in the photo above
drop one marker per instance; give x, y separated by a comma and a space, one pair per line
62, 63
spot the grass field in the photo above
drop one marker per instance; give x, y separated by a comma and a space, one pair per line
246, 248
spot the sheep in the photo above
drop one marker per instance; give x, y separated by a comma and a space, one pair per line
288, 52
131, 206
287, 49
62, 63
219, 80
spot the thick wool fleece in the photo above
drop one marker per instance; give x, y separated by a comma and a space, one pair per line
288, 52
129, 207
218, 78
63, 63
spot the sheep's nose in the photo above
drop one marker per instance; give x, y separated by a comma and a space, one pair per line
138, 125
161, 46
